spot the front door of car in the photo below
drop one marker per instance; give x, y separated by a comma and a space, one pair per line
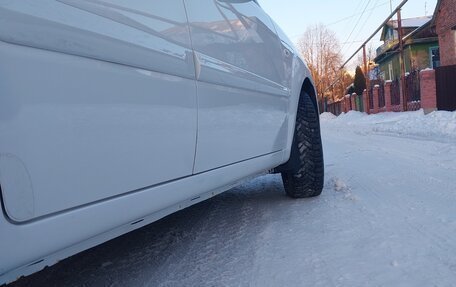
242, 94
105, 105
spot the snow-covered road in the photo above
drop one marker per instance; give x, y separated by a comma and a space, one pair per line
387, 217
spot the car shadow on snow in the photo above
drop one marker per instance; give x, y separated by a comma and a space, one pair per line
142, 257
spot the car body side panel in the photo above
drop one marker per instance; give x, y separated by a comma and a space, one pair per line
57, 237
75, 129
242, 92
260, 104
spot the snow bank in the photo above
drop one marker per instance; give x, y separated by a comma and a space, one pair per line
439, 125
326, 116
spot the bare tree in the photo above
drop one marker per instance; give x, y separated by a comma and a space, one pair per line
320, 48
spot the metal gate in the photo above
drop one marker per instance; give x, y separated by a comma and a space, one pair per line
445, 79
412, 90
381, 95
335, 108
395, 93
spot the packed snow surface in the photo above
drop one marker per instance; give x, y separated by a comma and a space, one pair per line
386, 217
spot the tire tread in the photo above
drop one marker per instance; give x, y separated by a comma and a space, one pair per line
307, 180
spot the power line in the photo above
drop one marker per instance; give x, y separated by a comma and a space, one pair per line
376, 31
370, 38
360, 7
352, 16
357, 22
295, 36
359, 31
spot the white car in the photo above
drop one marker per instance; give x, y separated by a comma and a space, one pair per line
116, 113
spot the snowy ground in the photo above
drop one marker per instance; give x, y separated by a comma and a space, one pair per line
387, 217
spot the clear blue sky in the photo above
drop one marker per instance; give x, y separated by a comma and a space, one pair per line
343, 17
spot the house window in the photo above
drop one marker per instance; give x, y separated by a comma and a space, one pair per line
434, 54
390, 71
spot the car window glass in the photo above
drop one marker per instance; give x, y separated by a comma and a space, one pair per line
240, 34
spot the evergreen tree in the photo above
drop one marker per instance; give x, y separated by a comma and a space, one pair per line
350, 90
360, 81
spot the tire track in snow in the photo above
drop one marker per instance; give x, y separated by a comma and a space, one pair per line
224, 246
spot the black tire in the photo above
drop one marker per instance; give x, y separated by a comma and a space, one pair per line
305, 175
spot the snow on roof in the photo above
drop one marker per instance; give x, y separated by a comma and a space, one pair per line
411, 22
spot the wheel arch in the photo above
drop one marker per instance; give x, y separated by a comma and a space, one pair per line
308, 88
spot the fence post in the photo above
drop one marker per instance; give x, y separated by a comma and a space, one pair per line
375, 98
346, 103
353, 101
402, 95
428, 91
366, 102
388, 96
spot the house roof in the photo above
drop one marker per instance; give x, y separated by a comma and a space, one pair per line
407, 23
410, 22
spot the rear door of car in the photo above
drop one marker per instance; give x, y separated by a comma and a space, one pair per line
242, 87
97, 99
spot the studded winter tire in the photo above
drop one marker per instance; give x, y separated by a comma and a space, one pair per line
305, 174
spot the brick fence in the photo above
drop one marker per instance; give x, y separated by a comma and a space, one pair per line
428, 91
389, 101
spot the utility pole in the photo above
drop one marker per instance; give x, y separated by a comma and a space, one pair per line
366, 76
401, 61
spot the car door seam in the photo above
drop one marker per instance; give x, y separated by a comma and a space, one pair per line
197, 74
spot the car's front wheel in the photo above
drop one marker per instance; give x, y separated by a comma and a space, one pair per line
304, 176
